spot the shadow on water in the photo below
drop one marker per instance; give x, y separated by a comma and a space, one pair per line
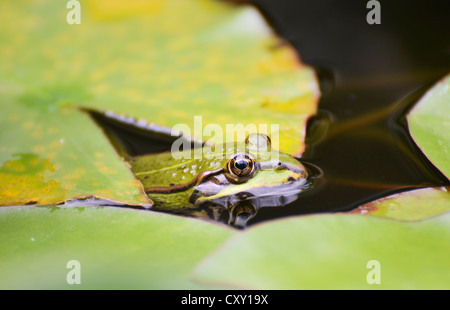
369, 75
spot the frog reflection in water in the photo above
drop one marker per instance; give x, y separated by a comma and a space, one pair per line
231, 187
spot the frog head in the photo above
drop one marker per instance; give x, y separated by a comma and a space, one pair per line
244, 178
253, 177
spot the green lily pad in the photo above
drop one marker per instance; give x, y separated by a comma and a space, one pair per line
151, 61
411, 205
334, 252
116, 248
429, 124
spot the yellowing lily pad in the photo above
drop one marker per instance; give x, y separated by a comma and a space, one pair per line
51, 154
161, 62
410, 205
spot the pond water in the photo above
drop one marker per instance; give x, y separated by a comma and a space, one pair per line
369, 75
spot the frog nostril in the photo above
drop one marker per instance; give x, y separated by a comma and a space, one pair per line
280, 166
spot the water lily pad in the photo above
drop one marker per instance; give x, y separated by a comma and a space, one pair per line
50, 156
429, 123
116, 248
410, 205
150, 61
334, 252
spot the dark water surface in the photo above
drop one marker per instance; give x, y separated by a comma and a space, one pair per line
370, 75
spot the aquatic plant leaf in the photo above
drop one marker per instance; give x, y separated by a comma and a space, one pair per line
116, 248
410, 205
429, 124
225, 65
149, 60
50, 156
334, 252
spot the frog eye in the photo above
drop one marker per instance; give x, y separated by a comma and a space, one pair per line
240, 168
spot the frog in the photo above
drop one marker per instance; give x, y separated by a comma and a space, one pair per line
229, 182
